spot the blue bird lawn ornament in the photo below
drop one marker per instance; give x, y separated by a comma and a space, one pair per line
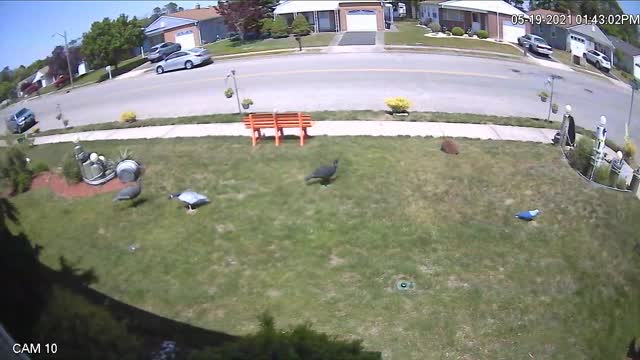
190, 198
528, 215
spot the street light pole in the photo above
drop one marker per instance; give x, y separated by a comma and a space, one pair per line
235, 85
634, 87
551, 81
66, 50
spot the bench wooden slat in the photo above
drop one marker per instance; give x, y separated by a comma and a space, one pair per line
278, 122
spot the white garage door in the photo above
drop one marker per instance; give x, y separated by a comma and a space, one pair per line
362, 20
577, 45
511, 32
186, 39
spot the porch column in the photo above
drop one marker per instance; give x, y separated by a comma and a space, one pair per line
315, 22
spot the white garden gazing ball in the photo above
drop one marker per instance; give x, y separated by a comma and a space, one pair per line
603, 120
568, 109
93, 157
102, 158
619, 153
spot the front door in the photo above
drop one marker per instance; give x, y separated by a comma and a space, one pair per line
475, 24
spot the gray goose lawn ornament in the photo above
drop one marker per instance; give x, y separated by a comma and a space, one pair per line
129, 193
324, 173
190, 198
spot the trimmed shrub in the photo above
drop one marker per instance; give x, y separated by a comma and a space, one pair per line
39, 167
300, 25
301, 342
128, 116
83, 330
398, 104
457, 31
483, 34
279, 28
629, 150
15, 169
71, 169
265, 26
435, 27
580, 157
601, 175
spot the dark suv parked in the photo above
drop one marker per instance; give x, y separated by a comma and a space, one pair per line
161, 51
21, 121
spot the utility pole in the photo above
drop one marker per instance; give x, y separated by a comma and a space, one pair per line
66, 50
235, 85
634, 87
551, 81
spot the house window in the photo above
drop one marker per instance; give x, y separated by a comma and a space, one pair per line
475, 17
452, 15
434, 14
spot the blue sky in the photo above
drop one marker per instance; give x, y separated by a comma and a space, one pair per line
630, 6
28, 25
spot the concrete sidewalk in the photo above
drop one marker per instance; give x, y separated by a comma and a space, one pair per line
329, 128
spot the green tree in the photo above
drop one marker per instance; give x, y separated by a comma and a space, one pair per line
517, 3
5, 89
279, 28
265, 26
109, 41
171, 8
300, 25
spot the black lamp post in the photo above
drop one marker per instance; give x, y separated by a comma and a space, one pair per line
299, 40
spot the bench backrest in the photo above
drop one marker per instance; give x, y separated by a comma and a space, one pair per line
281, 119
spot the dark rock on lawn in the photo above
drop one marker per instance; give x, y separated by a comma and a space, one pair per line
450, 147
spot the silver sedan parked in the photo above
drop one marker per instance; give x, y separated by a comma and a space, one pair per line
184, 59
535, 43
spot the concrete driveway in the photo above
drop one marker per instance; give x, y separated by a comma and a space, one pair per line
358, 38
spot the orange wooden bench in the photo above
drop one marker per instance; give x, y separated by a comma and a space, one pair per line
278, 121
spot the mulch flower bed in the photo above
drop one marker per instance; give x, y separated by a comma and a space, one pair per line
59, 186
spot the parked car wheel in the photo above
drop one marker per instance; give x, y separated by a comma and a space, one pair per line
188, 64
598, 66
159, 70
519, 42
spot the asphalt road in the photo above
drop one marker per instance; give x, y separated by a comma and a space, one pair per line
349, 81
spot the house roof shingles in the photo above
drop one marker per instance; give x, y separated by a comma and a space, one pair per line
624, 46
197, 14
592, 31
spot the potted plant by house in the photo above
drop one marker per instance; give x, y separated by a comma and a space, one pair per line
246, 103
554, 108
399, 106
543, 96
228, 93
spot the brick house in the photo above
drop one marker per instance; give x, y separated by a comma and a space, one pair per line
189, 28
496, 17
334, 16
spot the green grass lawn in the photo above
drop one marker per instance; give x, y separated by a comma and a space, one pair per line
227, 47
487, 286
410, 34
99, 75
318, 116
